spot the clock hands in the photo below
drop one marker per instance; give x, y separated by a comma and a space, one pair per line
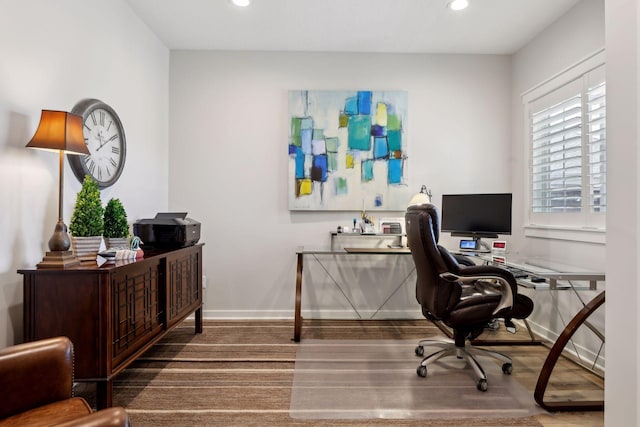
97, 164
103, 142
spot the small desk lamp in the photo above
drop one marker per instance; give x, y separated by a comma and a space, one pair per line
423, 197
59, 131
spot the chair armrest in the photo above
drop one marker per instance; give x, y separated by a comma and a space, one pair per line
110, 417
35, 374
500, 281
463, 260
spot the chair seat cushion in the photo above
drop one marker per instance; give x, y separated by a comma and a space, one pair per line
51, 414
480, 309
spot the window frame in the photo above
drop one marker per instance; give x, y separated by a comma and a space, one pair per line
580, 226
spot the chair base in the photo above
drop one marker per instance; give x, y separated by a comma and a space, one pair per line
467, 352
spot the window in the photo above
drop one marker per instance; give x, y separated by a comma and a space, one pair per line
566, 134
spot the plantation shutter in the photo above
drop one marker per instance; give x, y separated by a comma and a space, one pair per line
596, 126
556, 156
568, 147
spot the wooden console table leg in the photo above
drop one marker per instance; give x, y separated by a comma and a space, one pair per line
297, 326
552, 358
198, 316
104, 394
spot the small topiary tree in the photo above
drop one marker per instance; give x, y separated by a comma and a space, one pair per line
87, 219
115, 220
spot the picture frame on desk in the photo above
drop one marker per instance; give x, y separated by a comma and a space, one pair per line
500, 259
499, 246
390, 226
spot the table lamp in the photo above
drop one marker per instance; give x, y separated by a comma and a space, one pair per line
62, 132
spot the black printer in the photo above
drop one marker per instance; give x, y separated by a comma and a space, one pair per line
168, 229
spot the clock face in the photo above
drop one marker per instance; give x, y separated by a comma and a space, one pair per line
104, 136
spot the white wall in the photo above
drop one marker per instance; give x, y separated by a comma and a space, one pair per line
622, 392
573, 37
55, 53
228, 160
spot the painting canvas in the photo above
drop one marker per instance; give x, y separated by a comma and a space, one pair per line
348, 150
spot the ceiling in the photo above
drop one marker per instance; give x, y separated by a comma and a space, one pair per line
390, 26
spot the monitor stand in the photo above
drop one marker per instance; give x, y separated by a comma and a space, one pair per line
484, 247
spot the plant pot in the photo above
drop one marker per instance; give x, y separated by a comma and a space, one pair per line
86, 248
116, 242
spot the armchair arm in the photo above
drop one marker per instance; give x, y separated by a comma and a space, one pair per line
110, 417
491, 275
35, 374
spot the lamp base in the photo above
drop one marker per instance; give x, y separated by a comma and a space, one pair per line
58, 259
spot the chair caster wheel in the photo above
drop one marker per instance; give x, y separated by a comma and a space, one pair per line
421, 371
482, 385
419, 351
507, 368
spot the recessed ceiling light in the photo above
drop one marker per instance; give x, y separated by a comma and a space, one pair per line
458, 4
241, 3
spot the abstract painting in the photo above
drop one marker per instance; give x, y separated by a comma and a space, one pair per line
348, 150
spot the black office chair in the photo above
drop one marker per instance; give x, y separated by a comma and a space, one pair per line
463, 297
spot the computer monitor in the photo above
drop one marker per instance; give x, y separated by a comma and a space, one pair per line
476, 215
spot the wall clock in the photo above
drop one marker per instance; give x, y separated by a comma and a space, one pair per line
104, 136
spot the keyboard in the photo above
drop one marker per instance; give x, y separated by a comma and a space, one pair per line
517, 273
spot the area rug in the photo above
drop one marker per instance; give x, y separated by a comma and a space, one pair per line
358, 379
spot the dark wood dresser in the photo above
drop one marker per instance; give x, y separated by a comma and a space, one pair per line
115, 312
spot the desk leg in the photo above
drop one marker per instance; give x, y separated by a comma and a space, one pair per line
552, 358
104, 394
297, 327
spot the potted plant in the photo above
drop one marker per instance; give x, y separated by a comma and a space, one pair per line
116, 227
87, 222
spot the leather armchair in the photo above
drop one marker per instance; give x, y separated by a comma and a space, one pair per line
463, 297
36, 380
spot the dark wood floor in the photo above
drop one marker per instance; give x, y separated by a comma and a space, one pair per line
240, 345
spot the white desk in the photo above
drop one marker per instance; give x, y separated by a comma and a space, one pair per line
301, 252
558, 276
386, 238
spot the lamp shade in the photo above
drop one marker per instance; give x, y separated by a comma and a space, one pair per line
59, 130
421, 198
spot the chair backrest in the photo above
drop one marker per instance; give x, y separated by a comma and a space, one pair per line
435, 294
34, 374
